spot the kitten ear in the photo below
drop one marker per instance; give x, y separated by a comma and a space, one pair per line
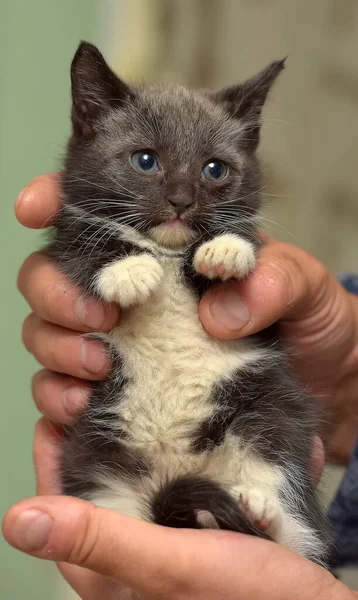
246, 100
95, 88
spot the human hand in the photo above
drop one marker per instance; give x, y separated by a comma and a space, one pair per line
103, 554
52, 397
52, 332
319, 321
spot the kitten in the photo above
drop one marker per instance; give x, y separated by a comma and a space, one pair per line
161, 189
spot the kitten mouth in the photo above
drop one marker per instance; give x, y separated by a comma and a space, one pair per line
176, 222
173, 233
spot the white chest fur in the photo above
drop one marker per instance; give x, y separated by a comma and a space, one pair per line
171, 365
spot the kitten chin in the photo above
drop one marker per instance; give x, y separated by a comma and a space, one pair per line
173, 236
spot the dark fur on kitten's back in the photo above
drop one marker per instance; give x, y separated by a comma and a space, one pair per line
161, 191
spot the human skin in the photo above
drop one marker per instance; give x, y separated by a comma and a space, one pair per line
319, 322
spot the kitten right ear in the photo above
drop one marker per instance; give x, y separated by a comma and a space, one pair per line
95, 88
245, 101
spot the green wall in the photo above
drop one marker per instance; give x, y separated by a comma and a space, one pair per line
37, 41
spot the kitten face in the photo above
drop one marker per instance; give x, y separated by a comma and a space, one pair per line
170, 162
182, 133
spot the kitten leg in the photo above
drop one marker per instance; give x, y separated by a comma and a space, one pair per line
130, 281
225, 256
283, 522
261, 507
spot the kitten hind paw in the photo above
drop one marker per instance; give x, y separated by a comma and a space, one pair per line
224, 257
261, 509
130, 281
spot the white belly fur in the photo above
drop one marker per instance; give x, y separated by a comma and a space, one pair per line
172, 364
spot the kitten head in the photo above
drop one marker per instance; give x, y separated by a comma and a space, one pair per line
170, 162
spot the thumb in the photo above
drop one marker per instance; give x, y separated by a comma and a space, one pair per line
318, 317
165, 563
63, 529
285, 284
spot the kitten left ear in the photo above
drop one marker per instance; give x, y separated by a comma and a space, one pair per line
246, 100
95, 88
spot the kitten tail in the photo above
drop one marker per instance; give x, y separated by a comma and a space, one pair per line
198, 503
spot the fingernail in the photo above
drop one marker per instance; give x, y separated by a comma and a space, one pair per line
229, 310
31, 530
93, 356
74, 400
89, 313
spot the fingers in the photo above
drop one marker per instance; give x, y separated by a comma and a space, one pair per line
162, 562
58, 397
284, 282
53, 298
63, 351
38, 204
47, 450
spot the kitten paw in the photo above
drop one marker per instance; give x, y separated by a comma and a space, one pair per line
130, 281
225, 256
260, 508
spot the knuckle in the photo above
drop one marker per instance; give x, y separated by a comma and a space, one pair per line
55, 351
291, 278
50, 301
288, 277
41, 341
40, 425
63, 353
302, 282
83, 551
24, 271
40, 429
27, 333
38, 388
277, 282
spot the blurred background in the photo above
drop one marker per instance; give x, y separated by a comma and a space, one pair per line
309, 149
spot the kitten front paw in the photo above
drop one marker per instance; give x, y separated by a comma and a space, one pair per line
261, 509
130, 281
225, 256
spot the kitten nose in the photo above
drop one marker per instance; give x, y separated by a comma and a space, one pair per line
181, 202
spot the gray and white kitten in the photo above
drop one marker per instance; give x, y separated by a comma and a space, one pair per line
161, 190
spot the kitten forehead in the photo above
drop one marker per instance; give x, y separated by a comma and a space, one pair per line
186, 122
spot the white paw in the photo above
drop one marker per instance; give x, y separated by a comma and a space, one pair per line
131, 280
225, 256
261, 508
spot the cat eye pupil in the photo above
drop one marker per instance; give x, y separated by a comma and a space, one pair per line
214, 170
145, 162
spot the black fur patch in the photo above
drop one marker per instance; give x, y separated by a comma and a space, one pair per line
177, 503
94, 444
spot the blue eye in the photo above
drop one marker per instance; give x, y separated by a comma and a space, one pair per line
145, 162
214, 170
